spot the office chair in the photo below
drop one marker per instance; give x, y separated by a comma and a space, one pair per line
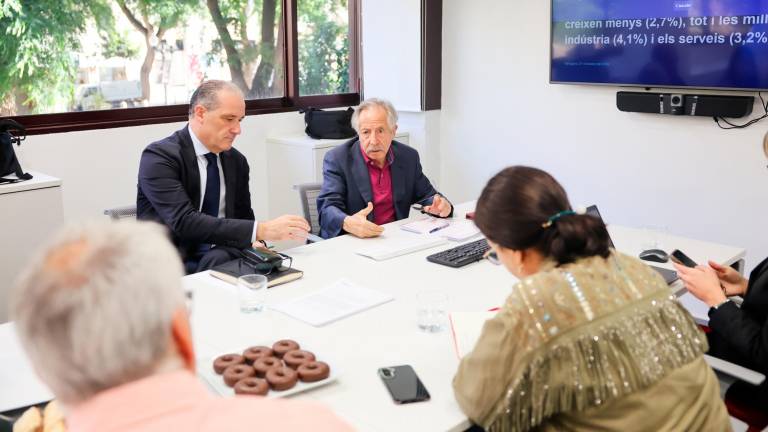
741, 405
738, 397
118, 213
308, 193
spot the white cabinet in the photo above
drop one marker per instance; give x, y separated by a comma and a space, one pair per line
30, 212
296, 159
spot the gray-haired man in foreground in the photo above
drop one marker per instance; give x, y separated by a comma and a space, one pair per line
102, 317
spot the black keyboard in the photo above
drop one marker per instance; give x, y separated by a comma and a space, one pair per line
461, 255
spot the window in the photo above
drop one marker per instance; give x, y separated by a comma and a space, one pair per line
323, 29
108, 63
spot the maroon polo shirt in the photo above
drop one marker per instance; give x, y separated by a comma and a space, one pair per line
381, 187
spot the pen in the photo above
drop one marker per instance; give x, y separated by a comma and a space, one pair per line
438, 229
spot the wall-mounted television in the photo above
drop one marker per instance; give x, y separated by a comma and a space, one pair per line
706, 44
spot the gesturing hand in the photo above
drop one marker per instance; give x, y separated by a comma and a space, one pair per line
702, 282
286, 227
440, 206
358, 225
732, 282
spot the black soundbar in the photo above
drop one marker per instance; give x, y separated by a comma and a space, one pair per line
685, 104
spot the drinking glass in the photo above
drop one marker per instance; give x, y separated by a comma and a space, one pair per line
251, 292
431, 313
654, 237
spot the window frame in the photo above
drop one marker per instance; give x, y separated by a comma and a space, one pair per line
37, 124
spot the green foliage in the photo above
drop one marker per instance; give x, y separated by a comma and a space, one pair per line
114, 43
38, 39
323, 47
323, 44
117, 44
162, 14
242, 39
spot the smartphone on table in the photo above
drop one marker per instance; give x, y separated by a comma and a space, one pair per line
679, 257
403, 384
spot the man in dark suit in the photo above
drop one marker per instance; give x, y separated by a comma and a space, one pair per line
196, 184
372, 180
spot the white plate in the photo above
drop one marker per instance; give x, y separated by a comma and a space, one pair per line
216, 381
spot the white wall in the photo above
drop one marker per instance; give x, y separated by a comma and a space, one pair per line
641, 169
424, 130
392, 51
99, 167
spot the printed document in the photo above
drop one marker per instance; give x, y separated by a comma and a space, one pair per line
332, 303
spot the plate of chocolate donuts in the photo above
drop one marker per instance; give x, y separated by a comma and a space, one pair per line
280, 370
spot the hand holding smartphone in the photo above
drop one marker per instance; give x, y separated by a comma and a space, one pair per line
679, 257
403, 384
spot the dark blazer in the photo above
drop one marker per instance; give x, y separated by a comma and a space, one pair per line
169, 193
347, 186
741, 334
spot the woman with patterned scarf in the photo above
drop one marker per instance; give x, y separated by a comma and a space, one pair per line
588, 339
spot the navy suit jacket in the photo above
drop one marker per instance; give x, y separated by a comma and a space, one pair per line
347, 186
169, 193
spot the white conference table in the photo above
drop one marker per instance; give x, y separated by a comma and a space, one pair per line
386, 335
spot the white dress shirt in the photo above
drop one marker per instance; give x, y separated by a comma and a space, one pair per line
202, 167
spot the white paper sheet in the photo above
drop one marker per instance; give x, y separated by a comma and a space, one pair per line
19, 386
385, 247
459, 230
426, 226
332, 303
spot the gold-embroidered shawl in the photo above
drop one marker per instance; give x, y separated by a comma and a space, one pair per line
572, 338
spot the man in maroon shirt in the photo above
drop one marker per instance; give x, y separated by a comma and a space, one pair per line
372, 180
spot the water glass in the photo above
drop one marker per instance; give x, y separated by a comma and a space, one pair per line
251, 292
654, 237
431, 314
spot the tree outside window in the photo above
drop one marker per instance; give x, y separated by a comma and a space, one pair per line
59, 56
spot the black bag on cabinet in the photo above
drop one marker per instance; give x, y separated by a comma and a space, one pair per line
11, 133
335, 124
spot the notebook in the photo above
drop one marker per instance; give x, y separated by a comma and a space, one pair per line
231, 270
339, 300
670, 276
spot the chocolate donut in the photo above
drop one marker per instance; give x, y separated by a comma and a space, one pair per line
283, 346
224, 361
282, 378
262, 365
254, 353
294, 359
314, 371
237, 372
252, 386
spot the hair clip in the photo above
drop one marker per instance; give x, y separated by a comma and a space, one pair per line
555, 217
